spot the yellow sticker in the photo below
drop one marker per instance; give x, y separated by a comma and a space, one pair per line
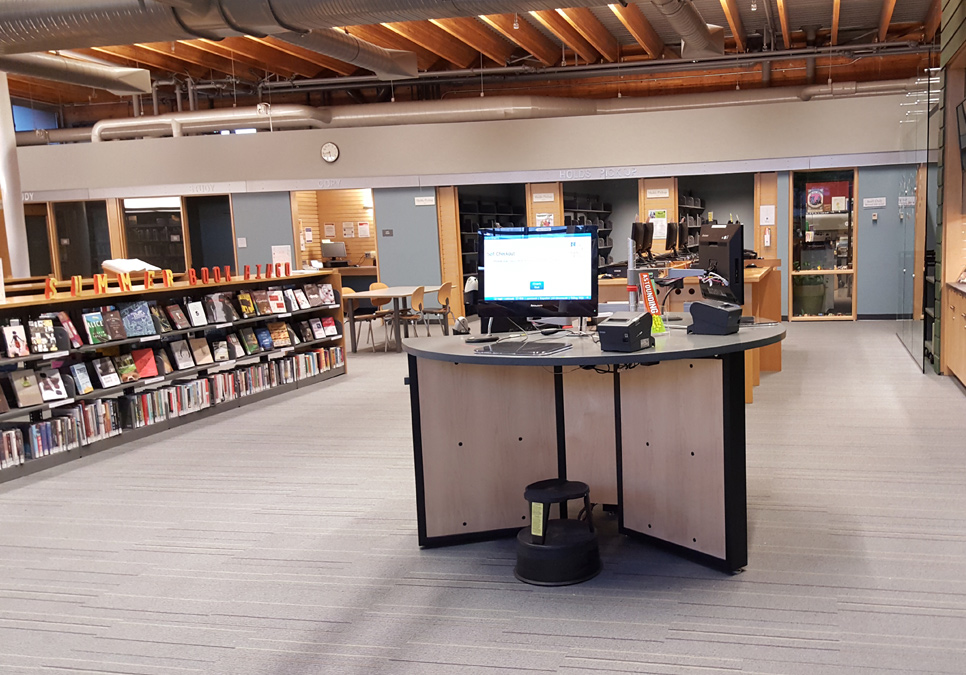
536, 519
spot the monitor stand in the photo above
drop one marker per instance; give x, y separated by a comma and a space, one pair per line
337, 263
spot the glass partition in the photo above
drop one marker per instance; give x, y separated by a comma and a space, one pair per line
83, 237
154, 231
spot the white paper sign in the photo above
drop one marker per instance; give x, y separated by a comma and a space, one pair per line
242, 242
659, 218
348, 230
281, 254
329, 230
302, 241
907, 200
364, 231
766, 214
873, 202
658, 193
424, 201
544, 220
309, 235
542, 197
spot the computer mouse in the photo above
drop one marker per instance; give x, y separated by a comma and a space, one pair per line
549, 331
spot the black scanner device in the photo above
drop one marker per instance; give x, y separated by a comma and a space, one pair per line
714, 317
625, 332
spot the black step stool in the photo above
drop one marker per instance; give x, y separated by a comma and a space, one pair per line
557, 552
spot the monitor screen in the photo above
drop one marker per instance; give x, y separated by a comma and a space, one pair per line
538, 271
335, 249
671, 239
643, 236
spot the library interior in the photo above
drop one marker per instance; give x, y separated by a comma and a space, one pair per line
462, 337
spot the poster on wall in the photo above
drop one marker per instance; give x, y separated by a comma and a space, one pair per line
309, 235
281, 254
659, 218
348, 230
329, 230
364, 231
544, 220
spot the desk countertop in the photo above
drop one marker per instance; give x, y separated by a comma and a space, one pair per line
585, 351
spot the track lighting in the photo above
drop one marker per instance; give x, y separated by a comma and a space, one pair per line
516, 22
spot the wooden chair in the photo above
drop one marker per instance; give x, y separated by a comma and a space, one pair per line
445, 310
415, 313
368, 316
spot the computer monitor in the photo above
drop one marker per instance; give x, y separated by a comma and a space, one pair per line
671, 240
683, 235
538, 271
643, 236
721, 250
333, 249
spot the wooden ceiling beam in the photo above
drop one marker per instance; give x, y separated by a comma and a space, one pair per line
249, 61
783, 20
309, 56
517, 29
885, 18
836, 11
730, 8
387, 39
640, 28
566, 33
47, 91
934, 18
476, 34
153, 59
589, 26
191, 54
438, 41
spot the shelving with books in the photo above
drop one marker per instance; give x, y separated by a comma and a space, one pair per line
691, 216
589, 209
110, 368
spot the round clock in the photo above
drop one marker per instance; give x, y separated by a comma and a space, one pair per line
330, 152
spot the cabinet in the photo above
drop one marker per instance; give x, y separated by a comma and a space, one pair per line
929, 324
591, 210
157, 238
954, 312
73, 422
690, 217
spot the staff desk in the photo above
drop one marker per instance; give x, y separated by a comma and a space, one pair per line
665, 443
397, 293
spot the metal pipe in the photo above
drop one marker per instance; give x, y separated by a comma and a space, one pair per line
117, 80
136, 101
13, 216
177, 94
154, 98
770, 26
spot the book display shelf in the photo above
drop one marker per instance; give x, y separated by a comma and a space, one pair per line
82, 374
591, 210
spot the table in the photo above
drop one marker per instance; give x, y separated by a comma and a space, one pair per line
664, 443
397, 293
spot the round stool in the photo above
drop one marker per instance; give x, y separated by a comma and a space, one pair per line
557, 552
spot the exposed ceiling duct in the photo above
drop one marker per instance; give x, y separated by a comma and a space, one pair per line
68, 24
697, 37
387, 64
115, 79
490, 108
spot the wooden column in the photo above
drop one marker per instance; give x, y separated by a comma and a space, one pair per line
450, 245
540, 191
766, 194
664, 195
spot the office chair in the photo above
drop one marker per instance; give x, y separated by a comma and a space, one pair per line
445, 310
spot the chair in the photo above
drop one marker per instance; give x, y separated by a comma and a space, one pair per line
369, 316
445, 310
415, 313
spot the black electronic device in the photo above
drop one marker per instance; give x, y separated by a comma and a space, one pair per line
714, 317
335, 253
721, 252
481, 338
538, 271
671, 238
625, 332
643, 236
683, 236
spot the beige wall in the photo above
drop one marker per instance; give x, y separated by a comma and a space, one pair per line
653, 143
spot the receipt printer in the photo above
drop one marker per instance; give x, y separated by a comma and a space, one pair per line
625, 332
714, 317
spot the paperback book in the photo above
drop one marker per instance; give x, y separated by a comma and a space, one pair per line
200, 351
51, 385
235, 348
42, 338
249, 341
219, 350
137, 320
313, 295
178, 317
276, 302
301, 298
15, 339
279, 334
328, 323
25, 388
181, 353
94, 325
106, 375
318, 330
82, 379
196, 313
145, 363
160, 320
113, 323
164, 363
264, 338
75, 338
306, 330
261, 302
327, 293
247, 304
126, 368
291, 302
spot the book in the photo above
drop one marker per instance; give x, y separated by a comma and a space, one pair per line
137, 320
82, 379
25, 388
145, 363
264, 338
106, 375
178, 317
328, 323
247, 304
200, 351
164, 363
306, 330
196, 313
291, 302
75, 338
249, 341
301, 298
313, 295
113, 323
160, 320
276, 302
126, 368
42, 338
15, 338
235, 349
4, 406
94, 325
181, 353
51, 385
261, 302
219, 309
327, 293
279, 334
318, 330
219, 350
293, 337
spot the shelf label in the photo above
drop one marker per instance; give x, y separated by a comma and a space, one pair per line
153, 380
543, 197
285, 350
54, 355
658, 193
57, 404
425, 201
280, 316
223, 325
873, 202
150, 338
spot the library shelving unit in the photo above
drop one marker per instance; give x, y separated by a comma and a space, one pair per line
582, 209
107, 417
691, 215
483, 212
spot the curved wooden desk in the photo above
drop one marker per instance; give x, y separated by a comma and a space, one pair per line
665, 442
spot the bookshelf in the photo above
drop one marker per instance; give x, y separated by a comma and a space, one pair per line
583, 209
86, 423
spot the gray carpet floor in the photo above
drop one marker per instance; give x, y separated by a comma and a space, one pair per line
281, 539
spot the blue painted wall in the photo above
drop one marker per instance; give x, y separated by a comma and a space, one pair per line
410, 257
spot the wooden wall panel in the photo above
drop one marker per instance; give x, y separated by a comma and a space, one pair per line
450, 260
555, 207
343, 206
670, 203
766, 194
305, 212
